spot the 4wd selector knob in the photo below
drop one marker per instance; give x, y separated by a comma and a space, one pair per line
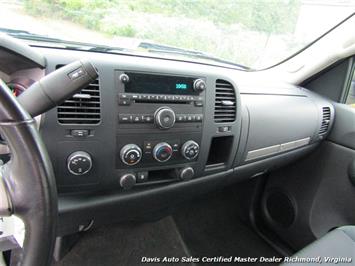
190, 150
164, 117
79, 163
131, 154
162, 152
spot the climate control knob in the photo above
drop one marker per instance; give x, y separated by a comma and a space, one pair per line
162, 152
79, 163
190, 150
131, 154
164, 117
127, 181
186, 173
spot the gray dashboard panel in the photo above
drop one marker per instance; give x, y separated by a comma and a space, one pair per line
268, 114
276, 120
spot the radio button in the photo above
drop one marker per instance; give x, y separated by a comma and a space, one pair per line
123, 96
180, 118
148, 118
198, 103
124, 118
137, 118
124, 102
199, 118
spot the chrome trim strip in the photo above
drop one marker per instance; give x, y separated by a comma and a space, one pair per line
255, 154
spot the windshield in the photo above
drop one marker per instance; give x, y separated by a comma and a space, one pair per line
254, 34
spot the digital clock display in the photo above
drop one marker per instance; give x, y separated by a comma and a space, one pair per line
159, 84
181, 86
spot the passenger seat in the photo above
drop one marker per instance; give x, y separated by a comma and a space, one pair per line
335, 248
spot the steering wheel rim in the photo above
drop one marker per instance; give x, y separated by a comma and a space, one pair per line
28, 181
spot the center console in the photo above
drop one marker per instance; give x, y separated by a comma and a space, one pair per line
159, 127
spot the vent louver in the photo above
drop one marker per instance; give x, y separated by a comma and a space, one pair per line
325, 120
82, 108
225, 103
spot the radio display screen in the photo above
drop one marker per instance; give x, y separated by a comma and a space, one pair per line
159, 84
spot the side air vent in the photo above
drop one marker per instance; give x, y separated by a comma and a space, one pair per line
225, 104
325, 120
82, 108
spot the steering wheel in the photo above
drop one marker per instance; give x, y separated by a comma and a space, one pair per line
27, 184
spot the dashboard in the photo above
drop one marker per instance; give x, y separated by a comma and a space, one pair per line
150, 133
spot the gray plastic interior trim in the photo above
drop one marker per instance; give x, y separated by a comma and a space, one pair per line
343, 131
19, 47
255, 154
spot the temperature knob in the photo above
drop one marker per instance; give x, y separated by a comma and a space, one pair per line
79, 163
131, 154
162, 152
190, 150
164, 117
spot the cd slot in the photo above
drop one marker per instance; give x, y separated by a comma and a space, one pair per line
159, 101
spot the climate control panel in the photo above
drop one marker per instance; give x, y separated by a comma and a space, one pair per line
156, 152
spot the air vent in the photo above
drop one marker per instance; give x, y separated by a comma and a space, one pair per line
82, 108
225, 104
325, 121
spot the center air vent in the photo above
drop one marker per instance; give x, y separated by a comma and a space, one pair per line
225, 104
325, 120
82, 108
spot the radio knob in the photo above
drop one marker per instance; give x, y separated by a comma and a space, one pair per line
164, 117
124, 78
190, 150
79, 163
162, 152
131, 154
127, 181
199, 85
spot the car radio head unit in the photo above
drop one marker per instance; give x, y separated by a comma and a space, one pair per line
161, 84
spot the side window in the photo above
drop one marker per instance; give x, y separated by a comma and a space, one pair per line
350, 100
